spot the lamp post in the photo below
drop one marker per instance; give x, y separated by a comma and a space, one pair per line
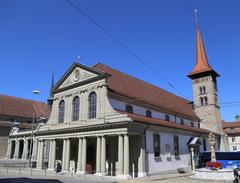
36, 92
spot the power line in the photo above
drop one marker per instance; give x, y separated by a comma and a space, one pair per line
121, 44
223, 60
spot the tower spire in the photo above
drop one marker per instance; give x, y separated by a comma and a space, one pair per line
202, 65
50, 98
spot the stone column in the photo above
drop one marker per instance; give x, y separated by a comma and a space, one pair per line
103, 156
25, 149
40, 155
9, 149
54, 146
98, 156
16, 153
84, 154
34, 149
141, 159
192, 158
79, 165
67, 154
50, 156
126, 155
64, 153
120, 155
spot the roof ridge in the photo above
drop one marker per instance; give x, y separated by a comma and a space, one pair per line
14, 97
157, 87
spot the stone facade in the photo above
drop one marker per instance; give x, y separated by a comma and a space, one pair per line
206, 102
112, 142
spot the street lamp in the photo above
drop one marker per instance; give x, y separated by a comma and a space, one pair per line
36, 92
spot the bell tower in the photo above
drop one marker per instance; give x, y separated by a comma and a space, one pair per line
205, 93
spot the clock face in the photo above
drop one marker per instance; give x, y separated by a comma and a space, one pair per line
77, 74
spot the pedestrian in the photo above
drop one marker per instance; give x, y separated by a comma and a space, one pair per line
58, 167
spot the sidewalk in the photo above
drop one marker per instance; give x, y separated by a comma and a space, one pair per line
159, 177
44, 174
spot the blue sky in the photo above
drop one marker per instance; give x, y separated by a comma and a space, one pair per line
37, 36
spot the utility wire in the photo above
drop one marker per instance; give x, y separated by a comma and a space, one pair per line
121, 44
223, 60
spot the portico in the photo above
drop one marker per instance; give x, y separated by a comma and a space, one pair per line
107, 152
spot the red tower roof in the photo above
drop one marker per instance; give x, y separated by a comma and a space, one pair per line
202, 65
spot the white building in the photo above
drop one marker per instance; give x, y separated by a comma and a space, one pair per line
105, 121
232, 129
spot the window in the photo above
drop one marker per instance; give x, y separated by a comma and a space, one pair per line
233, 139
61, 110
204, 145
206, 100
156, 145
182, 122
200, 90
201, 101
204, 90
75, 109
176, 145
234, 148
148, 113
198, 125
167, 118
92, 105
192, 125
129, 108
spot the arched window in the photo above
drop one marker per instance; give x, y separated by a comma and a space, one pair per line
92, 105
201, 101
75, 109
167, 118
61, 111
200, 90
182, 121
204, 90
206, 100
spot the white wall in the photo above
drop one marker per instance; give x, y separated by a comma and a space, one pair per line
116, 104
158, 165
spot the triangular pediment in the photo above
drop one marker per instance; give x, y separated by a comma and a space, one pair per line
78, 74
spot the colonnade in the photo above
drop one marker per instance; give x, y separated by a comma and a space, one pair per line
123, 155
15, 152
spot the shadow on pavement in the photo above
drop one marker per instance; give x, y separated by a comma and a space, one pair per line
28, 180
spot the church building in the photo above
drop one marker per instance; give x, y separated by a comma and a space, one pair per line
106, 122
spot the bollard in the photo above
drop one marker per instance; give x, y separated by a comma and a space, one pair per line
7, 169
31, 171
19, 171
45, 172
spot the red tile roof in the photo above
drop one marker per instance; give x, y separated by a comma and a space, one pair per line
231, 124
8, 124
18, 107
137, 89
231, 128
164, 123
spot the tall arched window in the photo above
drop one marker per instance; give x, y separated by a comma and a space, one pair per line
201, 101
206, 100
61, 111
75, 109
204, 90
92, 105
200, 90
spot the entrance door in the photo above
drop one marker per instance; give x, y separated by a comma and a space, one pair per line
91, 156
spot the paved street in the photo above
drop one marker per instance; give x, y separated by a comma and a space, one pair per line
156, 179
